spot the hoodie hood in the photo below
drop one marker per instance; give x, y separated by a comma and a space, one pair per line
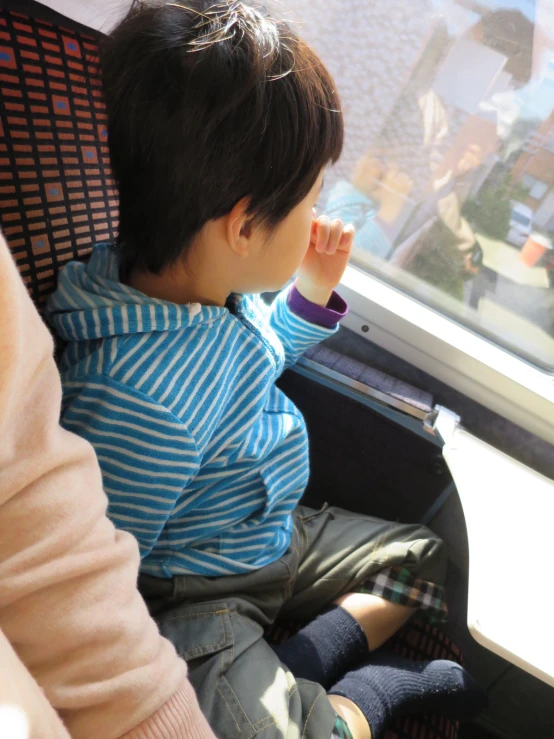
91, 303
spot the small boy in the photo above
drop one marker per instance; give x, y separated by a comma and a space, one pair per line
220, 124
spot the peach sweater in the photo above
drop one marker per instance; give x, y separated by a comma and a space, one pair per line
69, 606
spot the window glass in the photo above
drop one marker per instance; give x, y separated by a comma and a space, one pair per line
448, 167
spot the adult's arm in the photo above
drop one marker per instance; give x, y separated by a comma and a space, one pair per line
22, 703
68, 599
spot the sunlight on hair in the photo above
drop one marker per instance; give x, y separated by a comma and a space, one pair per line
227, 20
13, 723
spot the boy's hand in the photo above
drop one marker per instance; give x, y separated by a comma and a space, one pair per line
325, 260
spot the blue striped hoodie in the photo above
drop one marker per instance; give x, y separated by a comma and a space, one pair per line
202, 457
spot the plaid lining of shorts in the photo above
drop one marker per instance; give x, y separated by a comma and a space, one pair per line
341, 730
401, 586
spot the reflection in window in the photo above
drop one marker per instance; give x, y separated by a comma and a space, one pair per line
536, 189
522, 220
448, 169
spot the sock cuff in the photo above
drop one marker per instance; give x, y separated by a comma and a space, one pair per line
325, 648
346, 624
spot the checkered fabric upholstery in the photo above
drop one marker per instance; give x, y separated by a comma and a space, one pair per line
56, 193
57, 198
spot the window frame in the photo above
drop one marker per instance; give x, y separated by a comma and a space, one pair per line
453, 353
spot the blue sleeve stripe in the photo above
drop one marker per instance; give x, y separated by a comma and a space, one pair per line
126, 402
146, 474
124, 483
134, 494
83, 409
295, 333
152, 516
152, 461
173, 447
144, 477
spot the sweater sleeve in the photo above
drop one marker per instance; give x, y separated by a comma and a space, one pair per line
68, 599
23, 702
300, 324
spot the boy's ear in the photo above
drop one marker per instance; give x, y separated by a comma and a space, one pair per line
239, 228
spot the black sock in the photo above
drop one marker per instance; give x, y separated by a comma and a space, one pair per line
389, 687
324, 649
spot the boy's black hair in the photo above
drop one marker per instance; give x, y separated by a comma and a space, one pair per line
208, 104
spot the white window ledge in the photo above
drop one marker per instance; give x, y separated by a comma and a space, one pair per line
509, 544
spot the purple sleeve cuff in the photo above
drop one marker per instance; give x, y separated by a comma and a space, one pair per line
326, 317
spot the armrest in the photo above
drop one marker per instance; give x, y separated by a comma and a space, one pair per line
369, 382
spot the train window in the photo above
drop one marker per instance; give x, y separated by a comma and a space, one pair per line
448, 168
448, 174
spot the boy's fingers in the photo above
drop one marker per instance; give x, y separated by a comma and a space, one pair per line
329, 236
323, 232
347, 238
313, 234
334, 236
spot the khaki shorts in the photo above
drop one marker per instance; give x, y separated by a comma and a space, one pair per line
217, 624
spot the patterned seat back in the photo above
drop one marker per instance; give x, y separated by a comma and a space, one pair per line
57, 196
